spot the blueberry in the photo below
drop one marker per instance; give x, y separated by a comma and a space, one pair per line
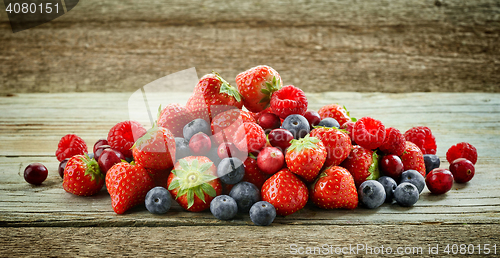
158, 200
91, 155
389, 185
406, 194
196, 126
371, 194
181, 148
431, 162
329, 122
413, 177
297, 125
245, 194
224, 207
213, 156
230, 171
262, 213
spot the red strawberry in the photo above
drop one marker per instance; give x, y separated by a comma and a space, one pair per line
225, 124
69, 146
369, 133
423, 138
289, 100
305, 157
286, 192
462, 150
213, 95
337, 143
335, 189
82, 176
174, 117
362, 164
122, 136
253, 174
256, 86
413, 158
394, 142
249, 137
348, 126
336, 112
156, 149
194, 183
127, 185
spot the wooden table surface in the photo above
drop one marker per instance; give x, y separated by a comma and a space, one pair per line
45, 220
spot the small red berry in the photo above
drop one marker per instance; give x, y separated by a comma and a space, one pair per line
312, 117
35, 173
123, 135
423, 138
462, 150
280, 138
439, 181
269, 122
369, 133
394, 142
392, 166
61, 167
99, 143
289, 100
200, 144
270, 160
108, 158
462, 169
69, 146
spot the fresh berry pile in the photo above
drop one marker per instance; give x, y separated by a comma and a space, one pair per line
257, 149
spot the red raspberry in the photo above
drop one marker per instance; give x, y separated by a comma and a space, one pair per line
289, 100
423, 138
462, 150
369, 133
394, 142
249, 137
69, 146
122, 136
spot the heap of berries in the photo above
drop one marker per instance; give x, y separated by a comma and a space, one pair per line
267, 159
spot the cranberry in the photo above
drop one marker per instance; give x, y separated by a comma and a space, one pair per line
462, 169
99, 142
62, 166
229, 150
391, 165
439, 181
108, 158
280, 138
269, 121
35, 173
99, 151
312, 117
270, 160
200, 144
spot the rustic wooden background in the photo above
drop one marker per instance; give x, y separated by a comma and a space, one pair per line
317, 45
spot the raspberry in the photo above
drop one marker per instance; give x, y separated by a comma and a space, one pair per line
423, 138
394, 142
69, 146
249, 137
289, 100
122, 136
369, 133
462, 150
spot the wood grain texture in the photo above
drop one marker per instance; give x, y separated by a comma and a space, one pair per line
337, 45
242, 241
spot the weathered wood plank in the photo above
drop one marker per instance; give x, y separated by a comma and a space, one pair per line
338, 45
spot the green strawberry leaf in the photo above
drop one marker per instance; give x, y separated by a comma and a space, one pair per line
181, 193
307, 142
205, 167
373, 169
190, 198
227, 88
207, 188
199, 192
184, 165
174, 184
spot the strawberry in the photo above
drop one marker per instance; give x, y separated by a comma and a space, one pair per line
256, 85
69, 146
252, 172
174, 117
225, 124
286, 192
122, 136
336, 112
305, 157
213, 95
362, 164
413, 158
194, 183
334, 189
156, 149
337, 143
289, 100
127, 185
82, 176
249, 137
